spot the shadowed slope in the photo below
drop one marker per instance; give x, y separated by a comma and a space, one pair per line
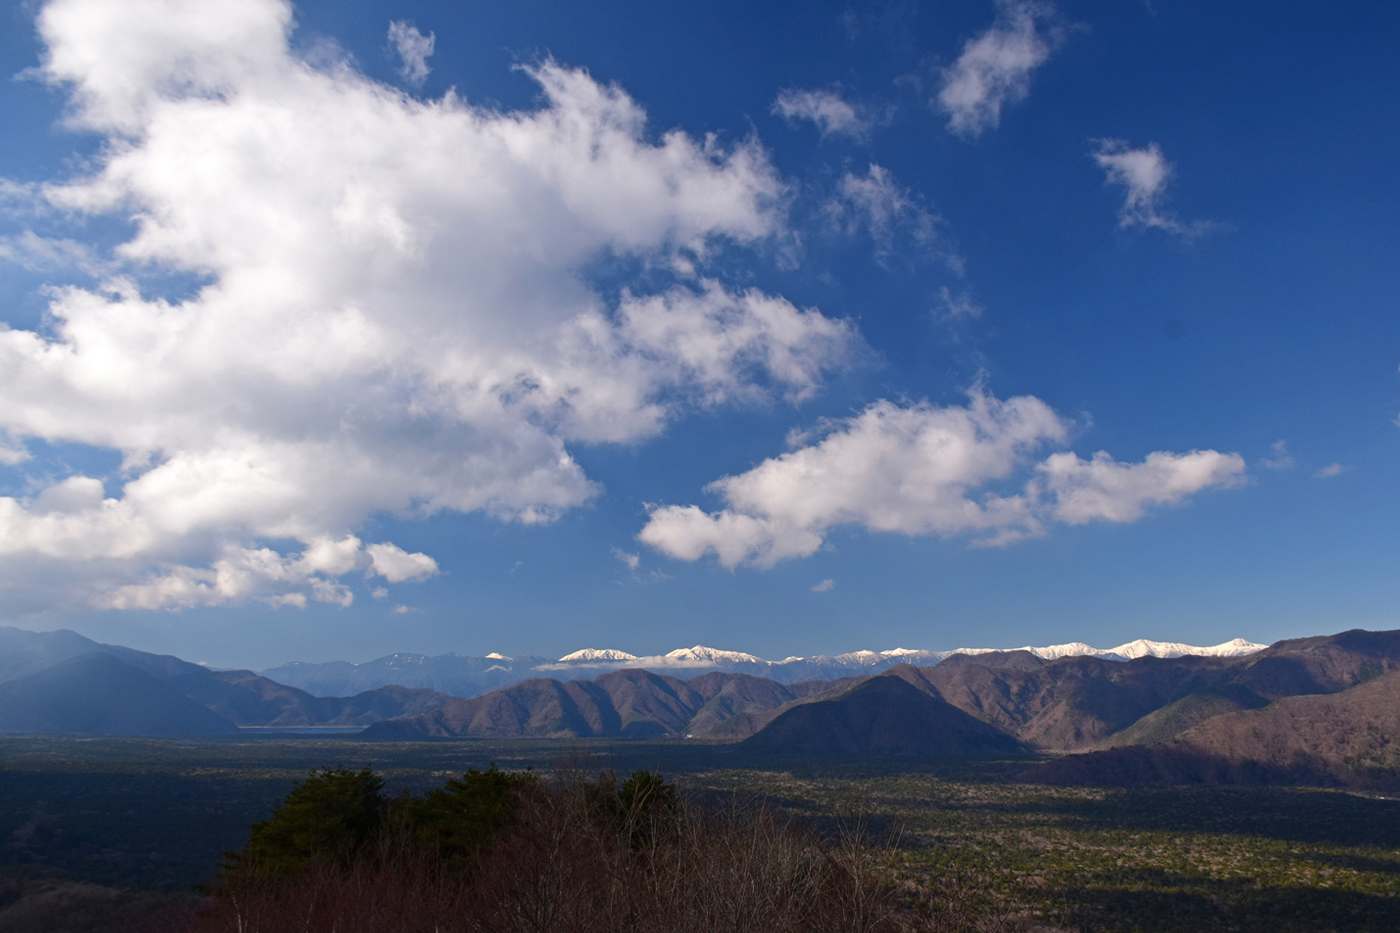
98, 694
241, 697
1351, 738
628, 703
650, 704
1167, 723
885, 715
1077, 703
1355, 733
1072, 703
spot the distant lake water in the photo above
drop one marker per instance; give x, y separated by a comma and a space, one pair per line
301, 730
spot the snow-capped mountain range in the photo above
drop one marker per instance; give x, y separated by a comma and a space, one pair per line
464, 675
714, 658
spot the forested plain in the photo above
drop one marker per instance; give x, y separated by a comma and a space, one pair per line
99, 833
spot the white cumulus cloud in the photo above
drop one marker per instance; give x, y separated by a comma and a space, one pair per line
1102, 489
393, 319
922, 469
281, 580
912, 469
396, 565
995, 68
832, 115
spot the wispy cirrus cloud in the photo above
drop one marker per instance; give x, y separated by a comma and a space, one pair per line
893, 216
413, 49
956, 306
1280, 459
833, 115
629, 560
36, 253
1143, 174
995, 68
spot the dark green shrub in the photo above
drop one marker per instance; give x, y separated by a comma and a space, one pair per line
330, 815
647, 793
464, 815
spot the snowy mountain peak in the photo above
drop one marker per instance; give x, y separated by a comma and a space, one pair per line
1074, 649
713, 655
497, 656
1142, 648
599, 654
860, 657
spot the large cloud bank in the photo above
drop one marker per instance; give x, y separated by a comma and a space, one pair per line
923, 469
392, 316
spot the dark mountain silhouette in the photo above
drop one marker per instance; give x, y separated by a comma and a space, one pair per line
895, 713
99, 694
627, 703
238, 697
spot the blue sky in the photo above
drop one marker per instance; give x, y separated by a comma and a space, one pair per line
792, 330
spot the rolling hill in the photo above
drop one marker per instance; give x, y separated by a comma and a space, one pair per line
1352, 736
1165, 724
626, 704
885, 715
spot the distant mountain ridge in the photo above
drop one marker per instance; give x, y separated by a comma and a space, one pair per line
469, 676
61, 682
988, 703
1322, 709
630, 703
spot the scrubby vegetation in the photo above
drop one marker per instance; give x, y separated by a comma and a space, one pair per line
147, 819
501, 852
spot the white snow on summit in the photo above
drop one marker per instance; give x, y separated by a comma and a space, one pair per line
713, 655
702, 657
599, 654
1141, 648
